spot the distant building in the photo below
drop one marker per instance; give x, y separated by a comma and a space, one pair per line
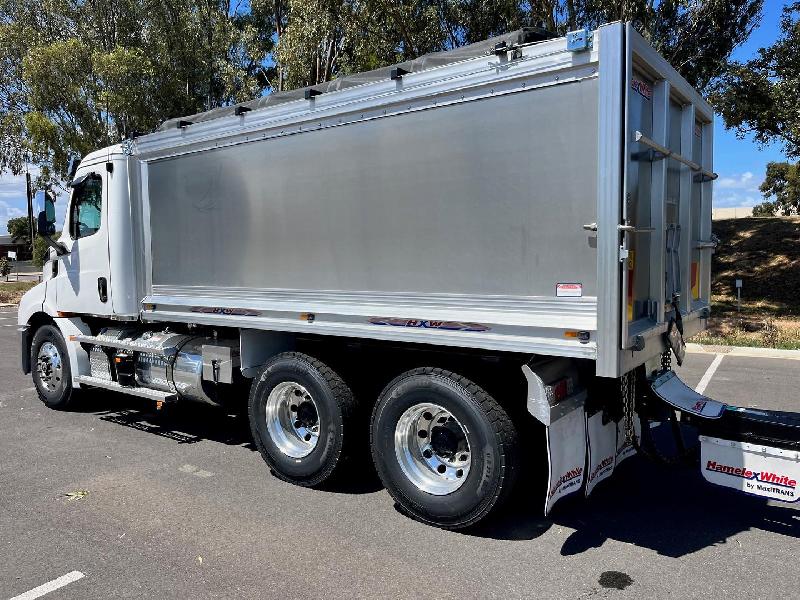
7, 244
738, 212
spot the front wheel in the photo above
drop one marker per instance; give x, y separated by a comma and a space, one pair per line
50, 366
445, 450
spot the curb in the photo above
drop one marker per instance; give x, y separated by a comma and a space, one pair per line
7, 305
744, 351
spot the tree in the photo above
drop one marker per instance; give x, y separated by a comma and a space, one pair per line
759, 97
41, 251
76, 76
19, 230
783, 183
765, 209
326, 38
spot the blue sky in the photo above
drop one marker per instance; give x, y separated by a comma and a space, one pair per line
740, 163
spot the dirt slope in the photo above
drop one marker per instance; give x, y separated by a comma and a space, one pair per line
765, 254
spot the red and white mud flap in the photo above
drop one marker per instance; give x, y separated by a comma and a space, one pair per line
754, 469
566, 453
602, 449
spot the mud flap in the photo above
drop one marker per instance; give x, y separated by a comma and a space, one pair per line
602, 442
566, 455
762, 471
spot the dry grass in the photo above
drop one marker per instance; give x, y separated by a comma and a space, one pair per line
765, 254
762, 333
11, 292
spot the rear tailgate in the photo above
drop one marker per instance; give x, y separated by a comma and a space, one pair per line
666, 232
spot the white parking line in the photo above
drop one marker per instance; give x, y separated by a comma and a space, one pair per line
712, 368
50, 586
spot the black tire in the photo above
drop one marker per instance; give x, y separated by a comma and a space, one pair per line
58, 393
335, 407
487, 426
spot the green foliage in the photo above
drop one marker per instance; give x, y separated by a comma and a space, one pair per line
5, 267
41, 251
759, 97
325, 38
77, 76
782, 182
19, 230
765, 209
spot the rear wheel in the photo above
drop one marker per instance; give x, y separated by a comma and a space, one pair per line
301, 415
50, 367
444, 448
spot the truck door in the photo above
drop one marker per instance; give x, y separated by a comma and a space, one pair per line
83, 283
666, 214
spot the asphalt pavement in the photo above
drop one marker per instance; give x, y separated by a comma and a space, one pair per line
182, 506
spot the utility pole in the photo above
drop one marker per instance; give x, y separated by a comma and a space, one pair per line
29, 191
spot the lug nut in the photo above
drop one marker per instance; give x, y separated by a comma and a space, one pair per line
427, 453
293, 408
441, 468
459, 473
297, 424
298, 393
308, 437
427, 416
462, 458
422, 433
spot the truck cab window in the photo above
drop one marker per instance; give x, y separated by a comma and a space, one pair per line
87, 208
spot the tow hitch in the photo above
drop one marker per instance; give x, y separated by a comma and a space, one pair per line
750, 450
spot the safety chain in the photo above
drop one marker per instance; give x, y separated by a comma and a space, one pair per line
628, 393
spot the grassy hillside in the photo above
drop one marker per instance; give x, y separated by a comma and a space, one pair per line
765, 254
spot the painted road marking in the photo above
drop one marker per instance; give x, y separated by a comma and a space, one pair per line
712, 368
50, 586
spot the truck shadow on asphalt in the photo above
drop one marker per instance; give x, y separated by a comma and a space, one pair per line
189, 423
670, 510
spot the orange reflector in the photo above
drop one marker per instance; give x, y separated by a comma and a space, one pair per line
307, 317
72, 338
571, 334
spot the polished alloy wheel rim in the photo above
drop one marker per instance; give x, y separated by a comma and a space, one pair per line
49, 367
292, 419
432, 449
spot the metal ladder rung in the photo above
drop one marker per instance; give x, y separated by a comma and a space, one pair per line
665, 152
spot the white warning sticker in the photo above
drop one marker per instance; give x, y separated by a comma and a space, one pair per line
566, 454
602, 450
569, 290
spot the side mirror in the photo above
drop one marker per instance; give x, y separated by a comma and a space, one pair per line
46, 220
46, 209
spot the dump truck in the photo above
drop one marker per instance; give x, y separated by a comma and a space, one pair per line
454, 269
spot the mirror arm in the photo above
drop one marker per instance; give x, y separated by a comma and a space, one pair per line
61, 249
